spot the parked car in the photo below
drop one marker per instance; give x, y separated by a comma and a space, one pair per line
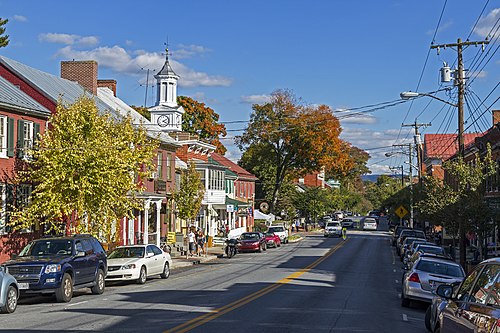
252, 242
348, 223
475, 305
281, 231
9, 292
137, 263
369, 223
434, 310
397, 232
406, 245
333, 229
60, 265
426, 274
425, 249
272, 240
408, 233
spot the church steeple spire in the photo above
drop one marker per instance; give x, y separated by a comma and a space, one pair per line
166, 80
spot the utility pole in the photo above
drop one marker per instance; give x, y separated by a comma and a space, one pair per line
402, 175
418, 146
460, 83
410, 151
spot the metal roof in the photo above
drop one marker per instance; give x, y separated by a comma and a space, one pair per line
12, 96
166, 69
51, 86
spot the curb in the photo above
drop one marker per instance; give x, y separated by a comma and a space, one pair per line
183, 262
295, 240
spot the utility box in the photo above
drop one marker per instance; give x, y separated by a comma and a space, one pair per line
445, 73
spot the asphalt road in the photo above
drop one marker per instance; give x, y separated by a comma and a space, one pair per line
318, 284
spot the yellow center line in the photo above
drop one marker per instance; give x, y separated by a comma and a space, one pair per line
198, 321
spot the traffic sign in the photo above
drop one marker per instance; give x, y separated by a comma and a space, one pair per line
401, 211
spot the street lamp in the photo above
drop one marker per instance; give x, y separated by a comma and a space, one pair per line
406, 95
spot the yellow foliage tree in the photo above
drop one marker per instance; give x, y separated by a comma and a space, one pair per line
85, 171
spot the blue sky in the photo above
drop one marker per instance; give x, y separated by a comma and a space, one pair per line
230, 54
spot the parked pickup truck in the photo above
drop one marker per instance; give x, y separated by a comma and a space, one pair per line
59, 265
281, 231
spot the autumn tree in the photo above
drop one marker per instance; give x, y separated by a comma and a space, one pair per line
292, 139
143, 111
4, 39
461, 202
83, 168
202, 120
188, 198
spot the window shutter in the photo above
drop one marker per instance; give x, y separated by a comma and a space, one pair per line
36, 131
10, 137
20, 138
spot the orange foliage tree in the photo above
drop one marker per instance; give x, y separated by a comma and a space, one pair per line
202, 120
295, 139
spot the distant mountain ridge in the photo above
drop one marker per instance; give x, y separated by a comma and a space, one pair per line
373, 178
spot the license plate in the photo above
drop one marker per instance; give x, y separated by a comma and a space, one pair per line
24, 286
434, 284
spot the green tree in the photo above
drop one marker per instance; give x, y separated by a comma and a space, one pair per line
143, 111
312, 203
202, 120
292, 139
189, 197
4, 39
83, 169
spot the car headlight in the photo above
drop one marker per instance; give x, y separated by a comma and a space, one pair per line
54, 268
129, 266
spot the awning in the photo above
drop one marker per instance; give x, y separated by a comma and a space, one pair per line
238, 203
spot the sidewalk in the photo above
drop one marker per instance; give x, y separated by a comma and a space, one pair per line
212, 254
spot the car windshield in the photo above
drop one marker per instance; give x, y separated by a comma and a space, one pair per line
431, 249
269, 234
333, 224
48, 247
127, 252
249, 236
370, 221
276, 229
439, 268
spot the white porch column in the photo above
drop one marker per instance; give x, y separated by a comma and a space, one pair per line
147, 204
139, 227
131, 231
124, 230
158, 208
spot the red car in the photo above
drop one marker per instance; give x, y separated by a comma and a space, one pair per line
251, 242
272, 240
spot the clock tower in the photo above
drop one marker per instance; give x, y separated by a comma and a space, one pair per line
166, 113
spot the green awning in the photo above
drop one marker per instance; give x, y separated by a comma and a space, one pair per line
237, 203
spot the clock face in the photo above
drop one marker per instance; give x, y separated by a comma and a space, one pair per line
163, 121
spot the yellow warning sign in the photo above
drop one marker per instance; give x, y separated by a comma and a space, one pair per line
401, 211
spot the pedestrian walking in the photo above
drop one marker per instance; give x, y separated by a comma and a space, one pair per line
191, 240
200, 241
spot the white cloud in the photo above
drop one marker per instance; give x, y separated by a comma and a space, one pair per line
187, 51
365, 119
442, 27
128, 42
255, 99
20, 18
485, 24
120, 61
68, 39
480, 74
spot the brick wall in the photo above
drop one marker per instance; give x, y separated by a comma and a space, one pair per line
83, 72
111, 84
186, 155
496, 116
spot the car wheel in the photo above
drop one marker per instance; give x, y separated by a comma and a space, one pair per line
142, 276
65, 292
166, 271
286, 241
428, 318
11, 300
437, 330
99, 285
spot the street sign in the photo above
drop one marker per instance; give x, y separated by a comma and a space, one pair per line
401, 211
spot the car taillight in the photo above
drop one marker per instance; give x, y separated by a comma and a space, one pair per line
414, 278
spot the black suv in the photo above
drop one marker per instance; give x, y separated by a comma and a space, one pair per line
59, 265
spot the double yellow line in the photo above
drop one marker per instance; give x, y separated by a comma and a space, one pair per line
198, 321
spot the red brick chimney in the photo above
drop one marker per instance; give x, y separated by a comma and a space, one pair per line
111, 84
496, 116
83, 72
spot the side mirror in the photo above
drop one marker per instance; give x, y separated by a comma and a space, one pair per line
80, 254
445, 291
